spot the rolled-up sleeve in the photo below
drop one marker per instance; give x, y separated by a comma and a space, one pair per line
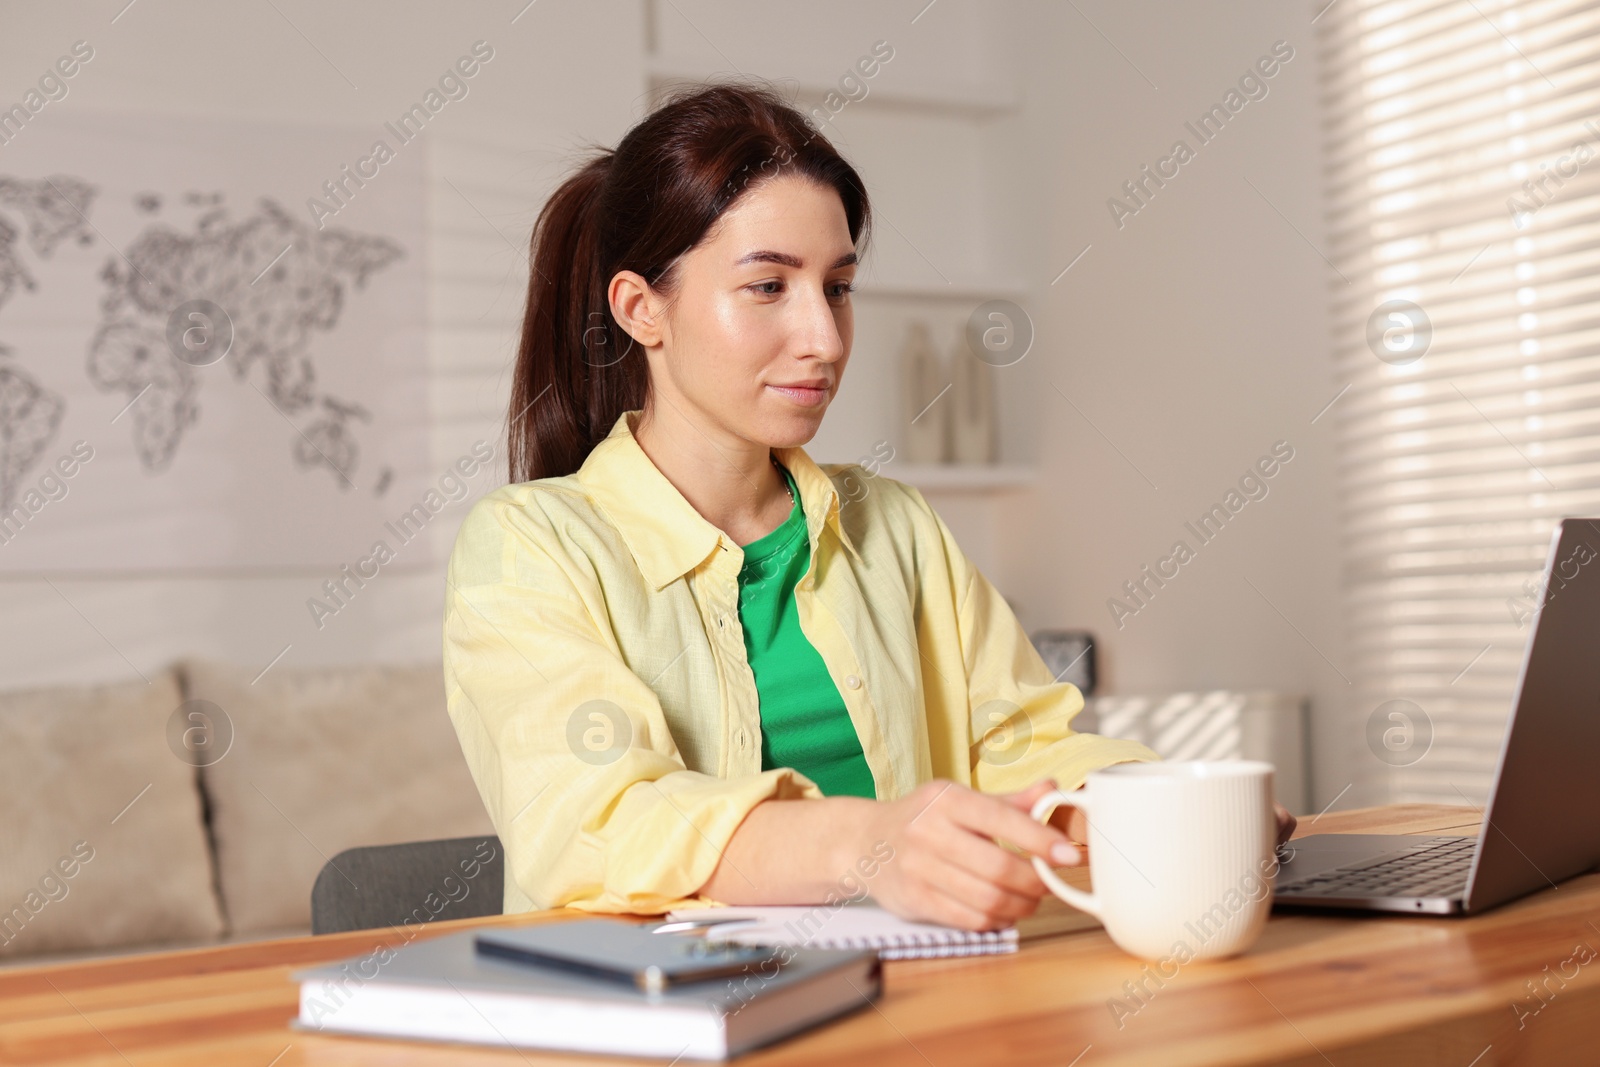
1020, 716
569, 748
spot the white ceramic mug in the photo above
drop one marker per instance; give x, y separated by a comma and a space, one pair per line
1183, 855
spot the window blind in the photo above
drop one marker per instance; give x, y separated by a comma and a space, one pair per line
1462, 155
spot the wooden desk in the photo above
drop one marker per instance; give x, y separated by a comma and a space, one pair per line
1315, 990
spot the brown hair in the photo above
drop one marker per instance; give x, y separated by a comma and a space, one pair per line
639, 207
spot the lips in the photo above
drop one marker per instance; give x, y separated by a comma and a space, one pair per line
807, 394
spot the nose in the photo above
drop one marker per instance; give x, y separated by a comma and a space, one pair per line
820, 327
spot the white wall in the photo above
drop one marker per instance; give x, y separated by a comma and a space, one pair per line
1193, 338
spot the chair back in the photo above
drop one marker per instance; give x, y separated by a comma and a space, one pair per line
413, 883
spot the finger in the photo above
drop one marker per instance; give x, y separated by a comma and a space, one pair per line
1077, 827
994, 901
1079, 859
933, 906
994, 818
942, 886
979, 857
1286, 825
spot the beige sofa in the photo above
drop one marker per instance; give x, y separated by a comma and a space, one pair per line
199, 807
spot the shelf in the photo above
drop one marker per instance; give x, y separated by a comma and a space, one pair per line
963, 477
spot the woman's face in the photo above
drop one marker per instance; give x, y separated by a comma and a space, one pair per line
755, 341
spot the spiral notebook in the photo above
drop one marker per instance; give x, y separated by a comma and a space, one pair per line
849, 926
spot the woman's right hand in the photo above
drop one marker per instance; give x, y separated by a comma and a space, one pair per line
947, 868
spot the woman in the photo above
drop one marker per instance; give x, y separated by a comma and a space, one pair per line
686, 663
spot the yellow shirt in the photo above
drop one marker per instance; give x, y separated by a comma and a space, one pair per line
596, 675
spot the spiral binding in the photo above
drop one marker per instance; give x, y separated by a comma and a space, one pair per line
929, 946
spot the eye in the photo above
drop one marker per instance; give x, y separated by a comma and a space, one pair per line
836, 291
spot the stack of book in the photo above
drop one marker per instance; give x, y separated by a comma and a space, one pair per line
593, 985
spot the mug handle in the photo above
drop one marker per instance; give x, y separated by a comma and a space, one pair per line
1041, 812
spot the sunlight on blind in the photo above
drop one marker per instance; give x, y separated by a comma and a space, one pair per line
1463, 148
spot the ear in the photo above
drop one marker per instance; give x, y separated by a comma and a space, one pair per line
636, 307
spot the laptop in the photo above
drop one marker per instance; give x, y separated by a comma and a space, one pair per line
1543, 820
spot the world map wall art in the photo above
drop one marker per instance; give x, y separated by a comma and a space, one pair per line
196, 372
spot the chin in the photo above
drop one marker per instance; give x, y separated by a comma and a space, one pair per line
790, 431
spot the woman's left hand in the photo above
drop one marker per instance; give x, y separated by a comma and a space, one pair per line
1286, 822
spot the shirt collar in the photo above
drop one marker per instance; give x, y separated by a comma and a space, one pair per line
667, 536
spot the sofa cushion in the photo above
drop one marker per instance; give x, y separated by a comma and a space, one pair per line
323, 760
102, 843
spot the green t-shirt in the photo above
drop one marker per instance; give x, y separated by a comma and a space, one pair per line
804, 721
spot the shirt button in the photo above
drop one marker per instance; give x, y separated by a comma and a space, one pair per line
852, 682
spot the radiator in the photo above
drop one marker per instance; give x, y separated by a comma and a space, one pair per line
1213, 725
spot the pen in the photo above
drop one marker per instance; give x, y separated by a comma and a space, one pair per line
686, 925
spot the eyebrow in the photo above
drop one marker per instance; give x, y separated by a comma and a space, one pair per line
766, 255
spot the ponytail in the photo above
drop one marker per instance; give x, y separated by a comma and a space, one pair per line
569, 384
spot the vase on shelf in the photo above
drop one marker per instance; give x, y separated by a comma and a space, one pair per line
925, 414
974, 420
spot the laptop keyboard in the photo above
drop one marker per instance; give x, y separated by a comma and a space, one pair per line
1436, 871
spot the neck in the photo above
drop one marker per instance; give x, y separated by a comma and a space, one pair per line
732, 482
